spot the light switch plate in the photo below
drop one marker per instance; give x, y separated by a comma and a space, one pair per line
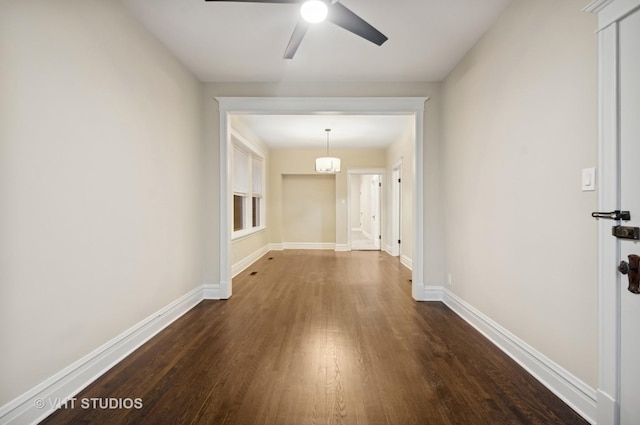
588, 179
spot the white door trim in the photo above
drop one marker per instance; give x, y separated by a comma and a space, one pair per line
609, 13
315, 105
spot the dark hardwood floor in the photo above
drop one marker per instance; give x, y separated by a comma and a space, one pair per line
318, 337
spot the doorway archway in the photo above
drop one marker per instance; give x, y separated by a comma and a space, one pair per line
320, 105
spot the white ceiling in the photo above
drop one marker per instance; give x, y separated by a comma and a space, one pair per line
244, 42
347, 131
230, 41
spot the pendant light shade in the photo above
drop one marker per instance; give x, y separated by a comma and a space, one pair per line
327, 164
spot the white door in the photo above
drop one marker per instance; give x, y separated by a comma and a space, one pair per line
629, 200
396, 211
376, 186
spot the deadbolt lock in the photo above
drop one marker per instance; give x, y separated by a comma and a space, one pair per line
626, 232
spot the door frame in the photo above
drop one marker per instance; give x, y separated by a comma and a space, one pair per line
380, 172
396, 209
609, 13
320, 105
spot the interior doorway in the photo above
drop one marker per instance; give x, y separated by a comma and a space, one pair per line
365, 210
317, 105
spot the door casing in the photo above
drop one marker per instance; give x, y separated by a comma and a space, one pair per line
609, 14
320, 105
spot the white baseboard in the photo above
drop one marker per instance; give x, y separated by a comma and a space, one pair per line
67, 383
309, 245
607, 409
276, 247
574, 392
242, 265
39, 402
432, 293
342, 247
406, 261
211, 291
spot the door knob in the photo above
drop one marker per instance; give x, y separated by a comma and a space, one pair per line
631, 269
623, 267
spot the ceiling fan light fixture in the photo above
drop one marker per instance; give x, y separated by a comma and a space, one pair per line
314, 11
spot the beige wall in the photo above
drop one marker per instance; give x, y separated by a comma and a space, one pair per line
356, 183
100, 182
302, 161
519, 124
244, 247
403, 150
308, 208
102, 172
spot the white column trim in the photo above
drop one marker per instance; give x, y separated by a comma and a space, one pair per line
226, 208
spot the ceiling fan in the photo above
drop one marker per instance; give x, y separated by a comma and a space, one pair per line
314, 11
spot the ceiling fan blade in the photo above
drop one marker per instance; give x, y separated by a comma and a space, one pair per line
345, 18
296, 38
259, 1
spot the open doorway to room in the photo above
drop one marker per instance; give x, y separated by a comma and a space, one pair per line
401, 106
364, 210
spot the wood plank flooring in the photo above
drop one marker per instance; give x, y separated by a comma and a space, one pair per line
319, 337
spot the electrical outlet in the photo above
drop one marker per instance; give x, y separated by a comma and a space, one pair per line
450, 280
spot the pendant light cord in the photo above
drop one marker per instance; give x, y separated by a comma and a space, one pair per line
327, 130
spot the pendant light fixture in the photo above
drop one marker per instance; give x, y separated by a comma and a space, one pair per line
328, 164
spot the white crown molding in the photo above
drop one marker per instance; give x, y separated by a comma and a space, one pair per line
284, 105
596, 5
611, 11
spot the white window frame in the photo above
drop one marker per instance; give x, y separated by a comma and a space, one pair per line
255, 154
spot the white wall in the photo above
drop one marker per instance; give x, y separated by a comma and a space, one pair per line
100, 182
519, 124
